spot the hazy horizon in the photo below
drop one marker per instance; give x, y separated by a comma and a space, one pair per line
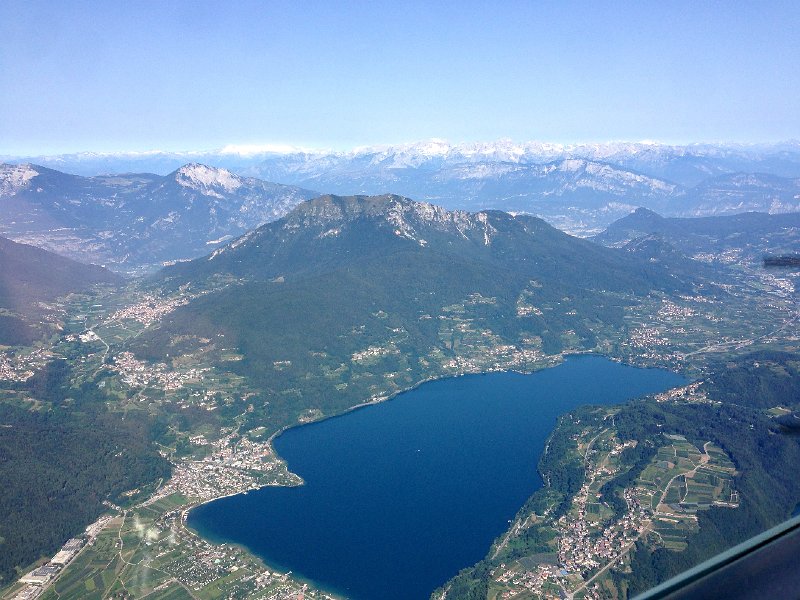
256, 149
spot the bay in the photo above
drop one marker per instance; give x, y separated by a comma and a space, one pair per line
400, 496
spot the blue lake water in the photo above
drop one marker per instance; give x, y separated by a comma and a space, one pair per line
401, 495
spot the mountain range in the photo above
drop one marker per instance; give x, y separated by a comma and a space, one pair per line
136, 221
685, 165
726, 239
579, 188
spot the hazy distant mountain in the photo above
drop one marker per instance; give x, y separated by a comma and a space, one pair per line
682, 165
691, 164
136, 220
342, 284
30, 276
685, 165
577, 188
725, 239
580, 188
742, 192
547, 189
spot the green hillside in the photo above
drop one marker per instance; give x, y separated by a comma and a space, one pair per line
350, 298
30, 276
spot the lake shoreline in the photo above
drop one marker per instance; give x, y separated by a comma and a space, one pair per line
562, 359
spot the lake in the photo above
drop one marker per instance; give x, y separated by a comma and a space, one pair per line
400, 496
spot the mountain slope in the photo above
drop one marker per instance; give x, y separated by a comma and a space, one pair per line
739, 192
347, 298
575, 192
30, 276
744, 236
131, 221
331, 231
566, 192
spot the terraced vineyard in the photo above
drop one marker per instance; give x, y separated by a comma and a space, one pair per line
681, 480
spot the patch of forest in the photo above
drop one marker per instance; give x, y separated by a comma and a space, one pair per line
60, 462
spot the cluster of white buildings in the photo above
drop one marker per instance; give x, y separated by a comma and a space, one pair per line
728, 257
149, 310
203, 563
526, 310
233, 466
136, 373
688, 392
206, 480
670, 311
532, 581
373, 352
23, 366
780, 285
10, 369
582, 547
647, 337
502, 356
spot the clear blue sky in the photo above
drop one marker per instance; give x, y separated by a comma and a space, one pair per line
135, 75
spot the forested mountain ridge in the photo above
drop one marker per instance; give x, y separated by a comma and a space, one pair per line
750, 235
350, 298
30, 276
333, 231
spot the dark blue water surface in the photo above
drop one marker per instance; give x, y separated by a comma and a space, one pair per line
400, 496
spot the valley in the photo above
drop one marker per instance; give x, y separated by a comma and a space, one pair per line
135, 223
184, 351
399, 301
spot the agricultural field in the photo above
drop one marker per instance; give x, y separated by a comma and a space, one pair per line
681, 480
147, 552
580, 543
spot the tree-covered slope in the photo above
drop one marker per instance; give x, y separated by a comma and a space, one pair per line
29, 276
347, 298
59, 464
752, 234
